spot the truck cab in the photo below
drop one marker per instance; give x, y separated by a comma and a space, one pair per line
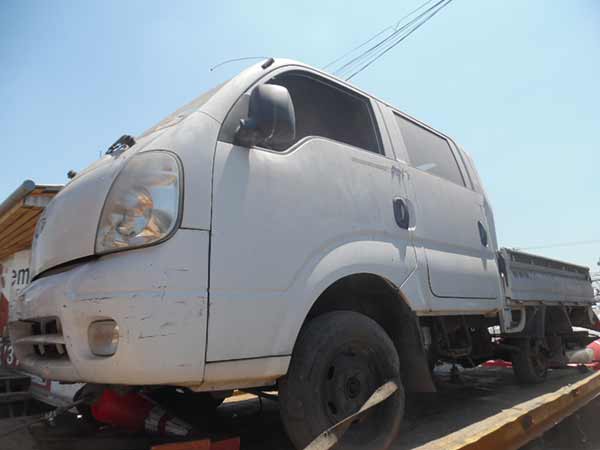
281, 227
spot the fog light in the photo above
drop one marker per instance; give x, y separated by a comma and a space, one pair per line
103, 337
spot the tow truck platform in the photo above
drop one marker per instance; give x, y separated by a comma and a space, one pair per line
481, 408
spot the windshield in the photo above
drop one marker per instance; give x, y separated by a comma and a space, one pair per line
184, 111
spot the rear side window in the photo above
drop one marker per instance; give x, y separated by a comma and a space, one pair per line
326, 110
429, 152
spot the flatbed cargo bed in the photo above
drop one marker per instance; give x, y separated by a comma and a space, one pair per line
484, 408
533, 279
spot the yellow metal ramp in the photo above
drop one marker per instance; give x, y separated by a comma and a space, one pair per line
507, 417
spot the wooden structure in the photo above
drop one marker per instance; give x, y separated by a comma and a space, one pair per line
19, 215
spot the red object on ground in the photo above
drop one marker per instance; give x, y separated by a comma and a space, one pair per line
594, 365
497, 363
133, 412
205, 444
227, 444
595, 347
128, 411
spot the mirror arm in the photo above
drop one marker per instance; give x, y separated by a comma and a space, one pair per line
247, 134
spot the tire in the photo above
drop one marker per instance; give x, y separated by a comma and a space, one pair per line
530, 365
340, 358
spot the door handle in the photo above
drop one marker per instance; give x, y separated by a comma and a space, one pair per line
401, 213
483, 236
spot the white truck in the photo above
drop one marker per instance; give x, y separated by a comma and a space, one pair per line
288, 230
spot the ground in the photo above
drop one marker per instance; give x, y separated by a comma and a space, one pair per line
475, 396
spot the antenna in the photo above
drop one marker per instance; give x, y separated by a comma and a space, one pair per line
245, 58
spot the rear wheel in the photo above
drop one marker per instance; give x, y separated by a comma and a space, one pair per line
339, 360
530, 364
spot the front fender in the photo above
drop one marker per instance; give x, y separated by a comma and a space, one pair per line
254, 324
379, 258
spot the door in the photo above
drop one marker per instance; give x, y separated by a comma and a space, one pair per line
450, 223
278, 213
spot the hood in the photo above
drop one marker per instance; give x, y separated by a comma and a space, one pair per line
67, 229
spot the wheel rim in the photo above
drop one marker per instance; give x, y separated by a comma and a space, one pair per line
350, 379
538, 359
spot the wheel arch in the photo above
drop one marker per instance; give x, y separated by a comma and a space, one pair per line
380, 299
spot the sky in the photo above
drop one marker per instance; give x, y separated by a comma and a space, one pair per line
516, 83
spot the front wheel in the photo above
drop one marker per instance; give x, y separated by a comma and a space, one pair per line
530, 364
339, 360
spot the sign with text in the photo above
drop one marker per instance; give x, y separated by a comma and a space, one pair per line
14, 277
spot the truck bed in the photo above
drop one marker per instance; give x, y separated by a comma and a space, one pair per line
535, 279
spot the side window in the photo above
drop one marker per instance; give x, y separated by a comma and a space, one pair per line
326, 110
429, 152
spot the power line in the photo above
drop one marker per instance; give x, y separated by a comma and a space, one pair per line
390, 27
354, 62
415, 28
398, 33
562, 244
396, 29
357, 47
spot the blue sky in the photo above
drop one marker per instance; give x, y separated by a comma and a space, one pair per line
517, 83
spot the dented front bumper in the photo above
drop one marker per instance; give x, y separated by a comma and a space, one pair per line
156, 295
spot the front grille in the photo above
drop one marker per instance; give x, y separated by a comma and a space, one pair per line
45, 338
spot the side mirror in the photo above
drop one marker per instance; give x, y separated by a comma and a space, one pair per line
271, 119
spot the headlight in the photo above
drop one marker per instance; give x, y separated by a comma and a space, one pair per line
143, 203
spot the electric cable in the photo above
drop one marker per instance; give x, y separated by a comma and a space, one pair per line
399, 40
390, 27
397, 31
